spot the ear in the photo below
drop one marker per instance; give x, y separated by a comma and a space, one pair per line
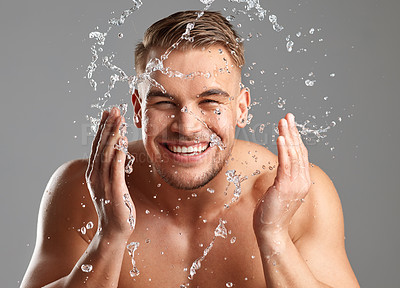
242, 107
137, 108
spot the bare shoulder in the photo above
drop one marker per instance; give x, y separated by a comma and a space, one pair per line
66, 206
321, 210
66, 203
252, 155
257, 163
66, 187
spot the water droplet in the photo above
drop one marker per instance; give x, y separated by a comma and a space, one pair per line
83, 230
207, 2
147, 212
229, 284
230, 18
89, 225
332, 74
86, 268
289, 46
132, 247
120, 35
311, 31
210, 190
221, 231
261, 129
309, 82
233, 239
217, 111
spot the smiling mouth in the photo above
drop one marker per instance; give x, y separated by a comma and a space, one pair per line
187, 150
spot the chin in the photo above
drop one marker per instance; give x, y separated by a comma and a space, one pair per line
187, 181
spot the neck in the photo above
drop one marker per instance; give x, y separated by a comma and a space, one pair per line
207, 203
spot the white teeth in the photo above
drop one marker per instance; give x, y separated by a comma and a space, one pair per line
187, 149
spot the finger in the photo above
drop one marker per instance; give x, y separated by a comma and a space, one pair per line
95, 143
290, 147
284, 131
109, 150
298, 142
105, 134
118, 166
293, 132
295, 151
283, 157
306, 162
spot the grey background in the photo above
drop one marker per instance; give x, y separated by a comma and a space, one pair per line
45, 52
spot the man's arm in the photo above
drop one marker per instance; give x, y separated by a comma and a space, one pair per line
316, 257
60, 250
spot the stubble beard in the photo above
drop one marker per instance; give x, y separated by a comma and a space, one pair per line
197, 181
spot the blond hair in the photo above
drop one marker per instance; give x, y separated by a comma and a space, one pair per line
210, 29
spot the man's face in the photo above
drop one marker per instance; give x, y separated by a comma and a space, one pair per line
178, 125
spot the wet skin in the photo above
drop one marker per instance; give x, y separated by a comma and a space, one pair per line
288, 231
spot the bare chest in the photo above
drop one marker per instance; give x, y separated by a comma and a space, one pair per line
174, 256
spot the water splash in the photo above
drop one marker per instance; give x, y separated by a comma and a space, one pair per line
215, 140
220, 231
304, 130
122, 144
132, 247
274, 21
121, 20
231, 177
253, 4
128, 203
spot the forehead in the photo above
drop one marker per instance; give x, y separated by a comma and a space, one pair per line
213, 57
212, 67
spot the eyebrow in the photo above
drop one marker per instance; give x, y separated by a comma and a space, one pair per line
210, 92
158, 93
214, 92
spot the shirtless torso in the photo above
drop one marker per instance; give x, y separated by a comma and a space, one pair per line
284, 230
172, 237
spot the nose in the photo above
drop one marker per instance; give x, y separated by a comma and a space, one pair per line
187, 122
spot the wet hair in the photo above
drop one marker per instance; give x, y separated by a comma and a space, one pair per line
210, 29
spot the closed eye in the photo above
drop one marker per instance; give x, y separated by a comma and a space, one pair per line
209, 101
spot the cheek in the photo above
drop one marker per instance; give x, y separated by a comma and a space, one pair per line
154, 122
222, 119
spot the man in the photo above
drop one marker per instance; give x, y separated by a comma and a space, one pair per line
206, 209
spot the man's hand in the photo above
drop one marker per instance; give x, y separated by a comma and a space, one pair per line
275, 210
105, 177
